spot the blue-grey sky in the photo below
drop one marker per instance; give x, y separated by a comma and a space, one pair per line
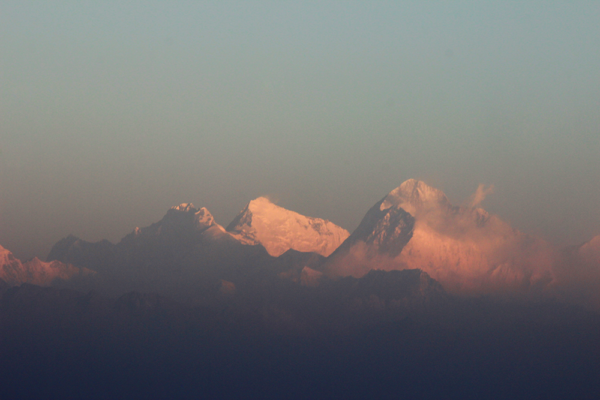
113, 111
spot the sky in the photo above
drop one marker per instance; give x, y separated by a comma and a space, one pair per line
112, 112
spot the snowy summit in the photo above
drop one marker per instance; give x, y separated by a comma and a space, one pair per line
278, 229
413, 195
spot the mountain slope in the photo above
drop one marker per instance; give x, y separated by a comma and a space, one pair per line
590, 252
465, 248
378, 239
186, 254
95, 256
578, 273
278, 229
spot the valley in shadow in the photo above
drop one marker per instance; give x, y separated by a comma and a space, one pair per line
394, 334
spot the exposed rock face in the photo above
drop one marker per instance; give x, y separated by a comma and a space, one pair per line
378, 239
383, 230
279, 230
15, 272
95, 256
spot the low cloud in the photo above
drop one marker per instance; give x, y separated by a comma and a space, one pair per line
358, 261
273, 198
466, 249
480, 194
471, 252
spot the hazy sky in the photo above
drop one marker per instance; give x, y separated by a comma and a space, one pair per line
111, 112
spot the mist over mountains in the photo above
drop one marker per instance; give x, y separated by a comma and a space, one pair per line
466, 249
441, 300
188, 256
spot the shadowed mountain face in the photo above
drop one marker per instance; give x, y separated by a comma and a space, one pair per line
373, 337
164, 242
186, 253
381, 235
95, 256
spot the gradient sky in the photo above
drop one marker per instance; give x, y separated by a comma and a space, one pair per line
111, 112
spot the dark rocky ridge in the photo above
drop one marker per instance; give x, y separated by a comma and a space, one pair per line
387, 230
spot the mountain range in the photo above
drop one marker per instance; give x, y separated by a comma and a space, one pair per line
424, 299
466, 249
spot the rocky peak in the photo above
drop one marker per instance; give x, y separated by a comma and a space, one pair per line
385, 230
186, 214
413, 196
184, 207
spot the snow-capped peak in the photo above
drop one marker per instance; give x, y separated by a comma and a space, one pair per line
5, 256
278, 229
185, 207
201, 218
413, 195
15, 272
181, 221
